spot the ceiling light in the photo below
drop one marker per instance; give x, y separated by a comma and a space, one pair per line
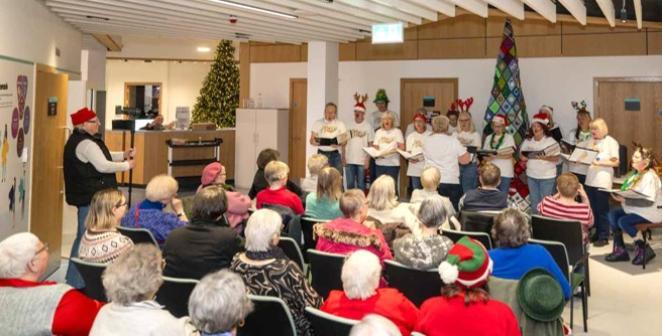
253, 8
204, 49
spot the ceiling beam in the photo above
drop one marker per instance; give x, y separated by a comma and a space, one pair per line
607, 8
514, 8
394, 13
546, 8
638, 14
441, 6
111, 44
477, 7
576, 9
334, 9
408, 7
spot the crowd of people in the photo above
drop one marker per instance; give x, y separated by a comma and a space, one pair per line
230, 241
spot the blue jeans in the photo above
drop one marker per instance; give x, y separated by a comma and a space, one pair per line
73, 278
538, 189
452, 191
468, 177
600, 205
415, 182
355, 176
392, 171
334, 159
504, 185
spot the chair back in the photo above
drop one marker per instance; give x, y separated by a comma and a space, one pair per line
567, 232
558, 252
416, 285
292, 251
482, 237
477, 221
270, 316
174, 294
138, 235
307, 224
325, 269
326, 324
91, 274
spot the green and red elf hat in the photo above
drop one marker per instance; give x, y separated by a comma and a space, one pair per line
467, 264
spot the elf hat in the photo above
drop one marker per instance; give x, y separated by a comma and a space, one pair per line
541, 118
467, 264
500, 119
381, 97
82, 116
420, 116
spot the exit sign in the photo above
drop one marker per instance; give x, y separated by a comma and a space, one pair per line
387, 33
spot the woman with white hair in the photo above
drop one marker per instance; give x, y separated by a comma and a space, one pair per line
131, 284
373, 324
361, 296
149, 214
383, 206
388, 139
446, 153
219, 304
430, 248
259, 266
33, 307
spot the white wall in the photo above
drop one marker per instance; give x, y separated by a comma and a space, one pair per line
181, 83
552, 81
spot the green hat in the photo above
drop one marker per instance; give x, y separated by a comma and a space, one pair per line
381, 97
540, 296
467, 264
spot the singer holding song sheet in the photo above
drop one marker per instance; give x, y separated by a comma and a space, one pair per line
329, 134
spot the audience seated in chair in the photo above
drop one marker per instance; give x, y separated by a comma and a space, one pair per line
207, 244
160, 191
487, 197
258, 266
219, 304
238, 203
276, 173
33, 307
361, 295
131, 284
316, 163
430, 178
101, 242
428, 249
514, 256
465, 306
562, 205
324, 203
373, 324
351, 232
383, 206
260, 181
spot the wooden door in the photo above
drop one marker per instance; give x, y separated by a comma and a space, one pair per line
297, 123
48, 178
412, 92
642, 125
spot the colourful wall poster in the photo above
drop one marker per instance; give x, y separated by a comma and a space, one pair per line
16, 103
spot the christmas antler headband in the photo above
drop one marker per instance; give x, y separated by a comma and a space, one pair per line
462, 105
581, 106
359, 98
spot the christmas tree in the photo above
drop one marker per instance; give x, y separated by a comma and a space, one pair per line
219, 96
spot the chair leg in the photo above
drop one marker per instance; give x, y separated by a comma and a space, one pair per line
572, 310
585, 306
587, 278
645, 243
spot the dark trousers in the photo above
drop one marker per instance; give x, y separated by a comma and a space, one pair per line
452, 191
600, 205
334, 159
392, 171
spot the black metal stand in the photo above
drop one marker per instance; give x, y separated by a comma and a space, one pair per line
133, 134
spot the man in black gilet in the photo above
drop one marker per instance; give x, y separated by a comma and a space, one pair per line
88, 167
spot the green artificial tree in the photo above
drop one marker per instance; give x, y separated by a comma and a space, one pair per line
219, 95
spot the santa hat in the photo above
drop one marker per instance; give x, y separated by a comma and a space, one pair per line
82, 116
467, 264
541, 118
500, 119
420, 116
359, 107
210, 172
546, 108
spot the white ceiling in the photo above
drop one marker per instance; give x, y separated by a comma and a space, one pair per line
337, 20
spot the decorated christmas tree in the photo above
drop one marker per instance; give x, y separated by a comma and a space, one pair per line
219, 96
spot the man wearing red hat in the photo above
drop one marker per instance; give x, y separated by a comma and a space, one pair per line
88, 167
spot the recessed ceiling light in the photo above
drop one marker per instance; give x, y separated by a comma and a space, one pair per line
204, 49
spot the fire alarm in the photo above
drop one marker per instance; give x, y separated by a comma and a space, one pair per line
233, 19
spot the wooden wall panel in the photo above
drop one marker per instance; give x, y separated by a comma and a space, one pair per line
569, 28
529, 46
655, 43
604, 44
463, 26
411, 33
347, 52
275, 53
451, 48
366, 51
244, 71
522, 28
304, 52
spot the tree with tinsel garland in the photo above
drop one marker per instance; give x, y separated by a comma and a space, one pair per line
219, 95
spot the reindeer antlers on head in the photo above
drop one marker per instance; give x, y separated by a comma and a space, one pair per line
359, 98
464, 105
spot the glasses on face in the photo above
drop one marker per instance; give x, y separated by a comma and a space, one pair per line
121, 204
93, 121
43, 248
462, 120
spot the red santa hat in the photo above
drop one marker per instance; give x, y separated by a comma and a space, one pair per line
82, 116
420, 116
541, 118
359, 107
500, 119
547, 109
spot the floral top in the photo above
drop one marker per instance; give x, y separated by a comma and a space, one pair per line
421, 252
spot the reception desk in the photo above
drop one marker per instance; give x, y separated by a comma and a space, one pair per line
152, 152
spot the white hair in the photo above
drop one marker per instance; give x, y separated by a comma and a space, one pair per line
16, 251
261, 228
360, 275
161, 188
432, 212
375, 325
219, 302
135, 276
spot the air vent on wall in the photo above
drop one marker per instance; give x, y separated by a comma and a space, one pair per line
92, 17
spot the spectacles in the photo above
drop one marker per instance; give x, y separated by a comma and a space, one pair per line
121, 204
463, 119
43, 248
93, 121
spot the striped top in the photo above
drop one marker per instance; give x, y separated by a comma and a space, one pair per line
552, 208
103, 247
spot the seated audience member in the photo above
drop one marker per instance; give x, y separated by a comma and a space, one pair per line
131, 284
160, 191
562, 205
102, 243
373, 325
515, 256
429, 249
361, 296
265, 274
487, 197
383, 206
29, 306
207, 244
238, 203
430, 178
277, 194
465, 306
316, 163
325, 202
259, 180
219, 304
350, 232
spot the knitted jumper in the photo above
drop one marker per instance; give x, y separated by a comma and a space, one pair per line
103, 247
38, 321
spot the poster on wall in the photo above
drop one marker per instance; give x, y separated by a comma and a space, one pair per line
16, 98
